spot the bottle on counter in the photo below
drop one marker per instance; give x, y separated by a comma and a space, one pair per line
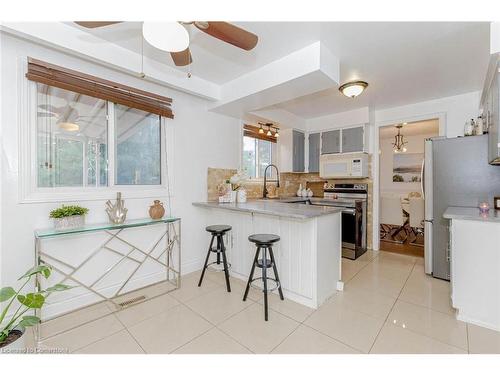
479, 128
299, 192
469, 128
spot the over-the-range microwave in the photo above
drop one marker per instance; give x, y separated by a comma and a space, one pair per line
343, 165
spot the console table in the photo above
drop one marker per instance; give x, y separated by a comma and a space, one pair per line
168, 256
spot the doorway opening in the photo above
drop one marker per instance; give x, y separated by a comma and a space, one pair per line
401, 207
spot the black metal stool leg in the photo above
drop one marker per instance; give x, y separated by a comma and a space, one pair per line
224, 259
264, 280
219, 238
251, 273
275, 269
206, 260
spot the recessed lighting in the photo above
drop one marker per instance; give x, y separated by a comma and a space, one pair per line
167, 36
353, 89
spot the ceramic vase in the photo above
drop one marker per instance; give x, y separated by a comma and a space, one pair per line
242, 196
156, 211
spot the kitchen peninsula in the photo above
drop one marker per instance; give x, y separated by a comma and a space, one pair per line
309, 253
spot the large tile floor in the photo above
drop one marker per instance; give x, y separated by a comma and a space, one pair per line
388, 305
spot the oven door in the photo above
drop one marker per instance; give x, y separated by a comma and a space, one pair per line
351, 232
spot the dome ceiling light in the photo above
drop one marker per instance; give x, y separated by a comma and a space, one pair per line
167, 36
353, 89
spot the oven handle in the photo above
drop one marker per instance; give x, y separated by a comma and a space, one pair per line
349, 211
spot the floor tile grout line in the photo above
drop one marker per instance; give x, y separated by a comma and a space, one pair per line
467, 335
392, 308
333, 338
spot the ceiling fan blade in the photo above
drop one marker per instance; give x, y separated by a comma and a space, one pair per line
96, 24
229, 33
182, 58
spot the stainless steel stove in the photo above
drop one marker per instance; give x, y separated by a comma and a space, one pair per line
353, 199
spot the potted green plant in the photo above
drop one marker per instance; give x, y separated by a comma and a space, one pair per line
12, 331
67, 217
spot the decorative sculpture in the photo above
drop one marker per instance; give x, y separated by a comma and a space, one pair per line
116, 212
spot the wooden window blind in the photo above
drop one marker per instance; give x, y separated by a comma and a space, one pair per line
253, 132
67, 79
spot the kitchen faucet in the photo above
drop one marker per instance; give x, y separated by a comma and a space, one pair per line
264, 191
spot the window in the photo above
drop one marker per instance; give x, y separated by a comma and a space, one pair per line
72, 147
138, 135
257, 155
71, 139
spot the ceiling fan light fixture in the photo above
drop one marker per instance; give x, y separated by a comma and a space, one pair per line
167, 36
69, 126
353, 89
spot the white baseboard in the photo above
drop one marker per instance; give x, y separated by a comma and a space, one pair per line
465, 318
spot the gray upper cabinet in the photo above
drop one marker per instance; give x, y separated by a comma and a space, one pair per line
314, 150
330, 142
298, 151
353, 139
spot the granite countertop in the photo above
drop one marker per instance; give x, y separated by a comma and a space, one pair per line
277, 207
471, 213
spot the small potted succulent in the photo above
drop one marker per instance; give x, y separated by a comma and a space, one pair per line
67, 217
12, 331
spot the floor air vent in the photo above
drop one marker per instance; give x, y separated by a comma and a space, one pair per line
131, 301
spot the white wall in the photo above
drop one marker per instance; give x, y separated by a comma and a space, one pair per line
457, 110
201, 139
415, 145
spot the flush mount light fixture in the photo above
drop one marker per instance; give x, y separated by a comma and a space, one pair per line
399, 141
69, 126
353, 89
167, 36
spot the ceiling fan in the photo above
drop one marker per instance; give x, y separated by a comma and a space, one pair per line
224, 31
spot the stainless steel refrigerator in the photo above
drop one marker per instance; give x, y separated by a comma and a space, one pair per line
455, 173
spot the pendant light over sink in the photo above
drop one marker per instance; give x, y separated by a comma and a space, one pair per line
353, 89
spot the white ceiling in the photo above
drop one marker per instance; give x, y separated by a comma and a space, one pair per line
427, 127
403, 62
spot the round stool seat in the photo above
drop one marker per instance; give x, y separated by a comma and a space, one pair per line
218, 229
263, 239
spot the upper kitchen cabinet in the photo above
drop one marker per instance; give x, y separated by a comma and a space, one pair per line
343, 140
291, 145
298, 151
353, 139
330, 142
314, 151
490, 103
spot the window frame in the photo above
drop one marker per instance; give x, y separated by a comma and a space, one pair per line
29, 192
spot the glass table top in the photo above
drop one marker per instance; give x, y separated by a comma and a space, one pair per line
51, 232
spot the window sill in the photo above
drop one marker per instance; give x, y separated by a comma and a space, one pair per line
95, 194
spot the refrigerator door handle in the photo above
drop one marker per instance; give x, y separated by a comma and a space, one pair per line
422, 179
429, 221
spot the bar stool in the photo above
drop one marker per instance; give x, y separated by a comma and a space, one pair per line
264, 243
218, 232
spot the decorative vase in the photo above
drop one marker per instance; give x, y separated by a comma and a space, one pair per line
233, 196
304, 193
241, 196
299, 192
156, 211
69, 222
117, 212
309, 193
17, 346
